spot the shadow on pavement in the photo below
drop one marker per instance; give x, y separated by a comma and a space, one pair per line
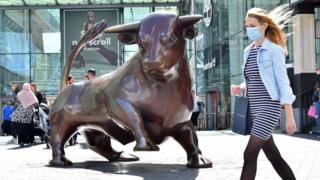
148, 171
25, 146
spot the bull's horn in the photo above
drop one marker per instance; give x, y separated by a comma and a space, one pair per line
189, 20
123, 28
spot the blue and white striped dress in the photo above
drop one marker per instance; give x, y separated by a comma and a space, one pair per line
265, 112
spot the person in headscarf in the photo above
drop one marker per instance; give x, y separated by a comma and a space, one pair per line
23, 115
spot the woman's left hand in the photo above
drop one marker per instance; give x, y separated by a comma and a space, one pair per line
291, 126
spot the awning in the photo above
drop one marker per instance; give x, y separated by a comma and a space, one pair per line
297, 2
304, 6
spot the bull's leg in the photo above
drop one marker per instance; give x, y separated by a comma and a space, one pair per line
101, 144
131, 116
61, 130
187, 137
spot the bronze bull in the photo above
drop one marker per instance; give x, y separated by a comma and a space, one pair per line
147, 99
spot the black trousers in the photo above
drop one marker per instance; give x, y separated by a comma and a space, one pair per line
25, 133
6, 127
194, 118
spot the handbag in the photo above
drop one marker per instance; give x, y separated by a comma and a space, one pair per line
312, 112
242, 121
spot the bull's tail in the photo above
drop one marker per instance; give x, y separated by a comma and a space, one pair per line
92, 34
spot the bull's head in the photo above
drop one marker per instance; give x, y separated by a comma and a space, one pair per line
161, 38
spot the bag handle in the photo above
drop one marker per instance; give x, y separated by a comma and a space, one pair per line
243, 93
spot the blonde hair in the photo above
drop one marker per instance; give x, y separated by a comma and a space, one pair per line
277, 19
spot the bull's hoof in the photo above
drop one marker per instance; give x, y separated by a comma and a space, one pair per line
124, 157
199, 162
146, 147
60, 162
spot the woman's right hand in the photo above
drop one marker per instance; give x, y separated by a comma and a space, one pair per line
235, 89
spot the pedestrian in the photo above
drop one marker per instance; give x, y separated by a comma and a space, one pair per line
91, 74
267, 87
6, 117
15, 90
316, 102
198, 107
23, 115
40, 96
42, 100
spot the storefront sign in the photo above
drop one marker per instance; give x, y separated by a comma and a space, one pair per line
101, 54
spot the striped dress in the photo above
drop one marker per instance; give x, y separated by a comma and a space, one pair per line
265, 113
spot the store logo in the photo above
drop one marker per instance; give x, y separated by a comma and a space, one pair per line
207, 12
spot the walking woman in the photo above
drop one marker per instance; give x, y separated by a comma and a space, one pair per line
23, 115
268, 88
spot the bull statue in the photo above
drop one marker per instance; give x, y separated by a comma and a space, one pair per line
145, 100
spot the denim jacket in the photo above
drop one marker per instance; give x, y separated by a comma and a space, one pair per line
273, 71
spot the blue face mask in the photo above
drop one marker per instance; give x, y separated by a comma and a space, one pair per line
253, 33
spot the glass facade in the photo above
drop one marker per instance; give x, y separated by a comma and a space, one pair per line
30, 50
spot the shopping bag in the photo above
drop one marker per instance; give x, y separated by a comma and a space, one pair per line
241, 118
312, 112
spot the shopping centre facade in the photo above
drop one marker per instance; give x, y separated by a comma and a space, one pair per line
36, 37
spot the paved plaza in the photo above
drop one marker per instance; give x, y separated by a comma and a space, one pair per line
224, 148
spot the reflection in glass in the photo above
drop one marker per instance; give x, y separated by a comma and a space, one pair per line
45, 29
14, 28
46, 72
14, 69
21, 61
135, 14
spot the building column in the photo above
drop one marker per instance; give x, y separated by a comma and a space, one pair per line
303, 79
304, 43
